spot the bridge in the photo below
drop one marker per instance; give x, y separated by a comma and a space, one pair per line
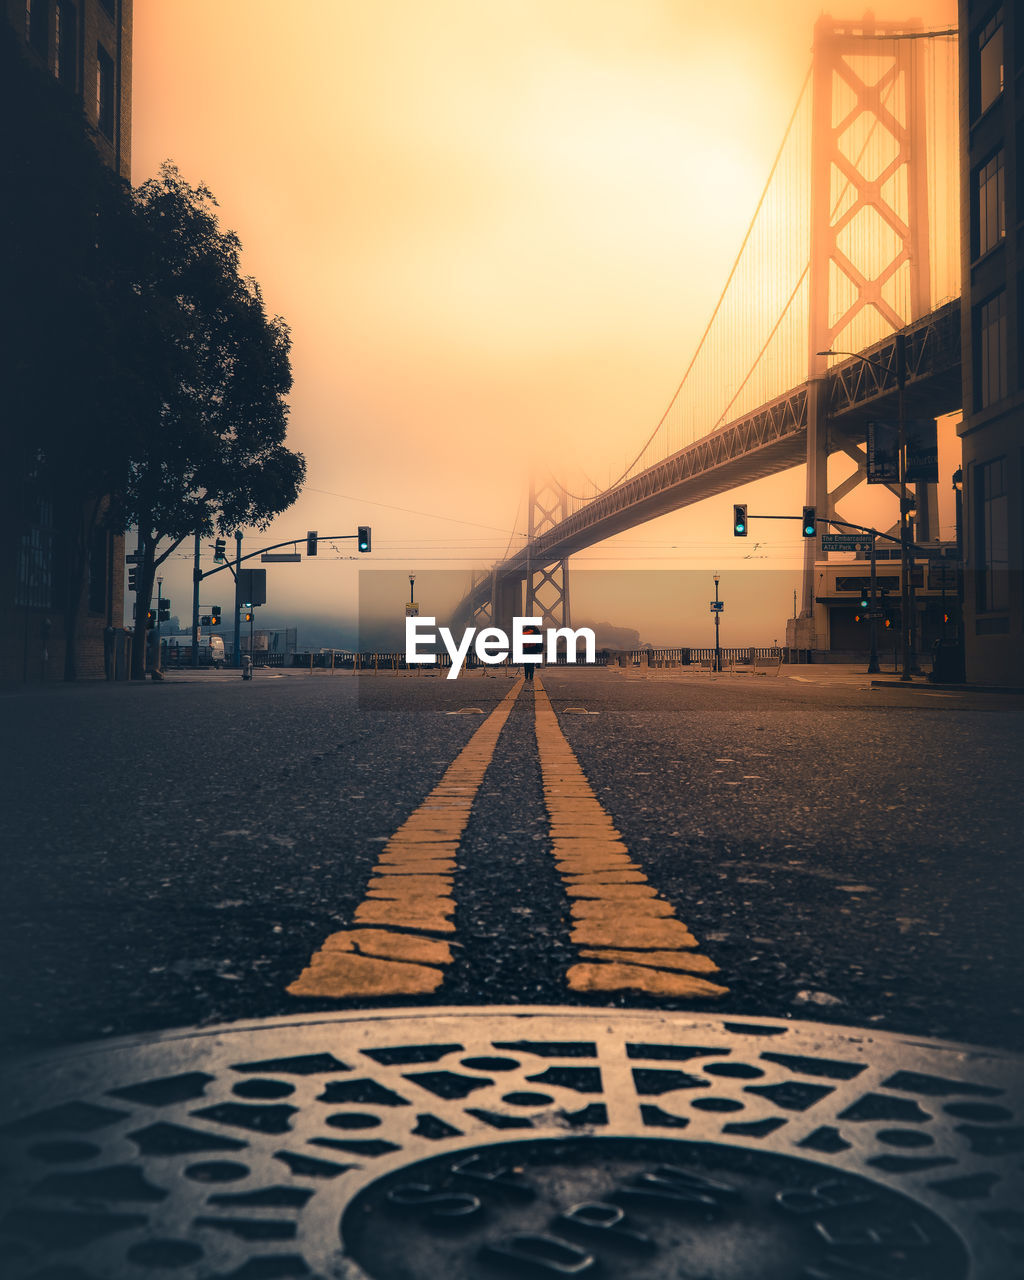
853, 250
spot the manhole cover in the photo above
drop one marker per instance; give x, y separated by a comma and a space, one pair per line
504, 1142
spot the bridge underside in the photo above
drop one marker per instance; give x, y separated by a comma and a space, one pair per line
771, 439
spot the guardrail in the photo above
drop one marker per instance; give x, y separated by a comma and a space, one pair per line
394, 660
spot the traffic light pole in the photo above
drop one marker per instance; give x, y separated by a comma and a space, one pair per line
237, 654
906, 599
197, 577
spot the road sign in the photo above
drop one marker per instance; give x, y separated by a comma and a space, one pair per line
717, 606
412, 610
284, 557
877, 614
846, 542
942, 575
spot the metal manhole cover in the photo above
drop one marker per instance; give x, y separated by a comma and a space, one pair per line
505, 1142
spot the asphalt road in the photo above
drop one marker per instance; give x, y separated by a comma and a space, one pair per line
178, 853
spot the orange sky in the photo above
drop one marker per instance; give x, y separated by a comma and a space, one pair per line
495, 229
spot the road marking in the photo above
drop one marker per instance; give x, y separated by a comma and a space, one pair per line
408, 899
628, 936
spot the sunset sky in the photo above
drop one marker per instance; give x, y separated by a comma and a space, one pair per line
496, 230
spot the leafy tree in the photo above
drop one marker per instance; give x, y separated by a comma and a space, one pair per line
211, 455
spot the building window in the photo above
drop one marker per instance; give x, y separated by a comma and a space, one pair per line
65, 30
34, 585
37, 30
990, 351
993, 542
990, 204
104, 91
989, 69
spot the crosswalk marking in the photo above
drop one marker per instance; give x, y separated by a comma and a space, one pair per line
627, 935
408, 898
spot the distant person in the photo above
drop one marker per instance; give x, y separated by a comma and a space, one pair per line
532, 640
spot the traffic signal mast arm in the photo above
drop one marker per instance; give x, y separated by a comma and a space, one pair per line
289, 542
846, 524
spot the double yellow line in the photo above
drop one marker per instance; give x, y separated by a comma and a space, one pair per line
627, 934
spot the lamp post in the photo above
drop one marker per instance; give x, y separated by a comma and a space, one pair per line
906, 629
718, 615
412, 591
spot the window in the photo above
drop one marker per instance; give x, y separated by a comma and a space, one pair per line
989, 69
65, 29
104, 91
990, 204
36, 28
34, 586
990, 351
992, 537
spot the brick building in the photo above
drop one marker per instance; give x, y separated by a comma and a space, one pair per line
992, 258
85, 45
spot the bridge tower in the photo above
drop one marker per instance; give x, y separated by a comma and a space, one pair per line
547, 585
869, 263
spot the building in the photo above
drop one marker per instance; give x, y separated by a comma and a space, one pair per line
992, 301
85, 45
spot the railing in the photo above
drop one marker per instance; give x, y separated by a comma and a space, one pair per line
395, 660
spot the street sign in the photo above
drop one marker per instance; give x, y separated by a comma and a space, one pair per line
942, 575
877, 614
284, 557
717, 606
412, 610
846, 542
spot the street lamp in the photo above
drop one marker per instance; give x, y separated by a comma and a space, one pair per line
907, 660
412, 588
718, 650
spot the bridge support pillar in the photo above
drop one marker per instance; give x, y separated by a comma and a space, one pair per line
547, 584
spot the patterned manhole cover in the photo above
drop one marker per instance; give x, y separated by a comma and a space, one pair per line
514, 1142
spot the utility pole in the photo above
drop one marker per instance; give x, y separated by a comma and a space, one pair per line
197, 577
906, 603
238, 598
156, 629
873, 666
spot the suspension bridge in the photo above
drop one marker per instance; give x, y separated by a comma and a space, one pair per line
851, 258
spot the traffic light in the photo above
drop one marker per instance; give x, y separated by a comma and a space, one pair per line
163, 610
133, 579
150, 618
311, 543
739, 520
215, 616
218, 549
887, 624
864, 601
205, 620
857, 618
363, 542
248, 616
809, 527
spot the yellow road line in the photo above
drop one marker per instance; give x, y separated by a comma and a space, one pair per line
408, 898
628, 936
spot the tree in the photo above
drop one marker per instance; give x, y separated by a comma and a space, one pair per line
211, 454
